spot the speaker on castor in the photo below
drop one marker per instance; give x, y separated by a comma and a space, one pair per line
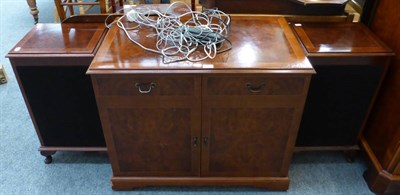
351, 64
50, 65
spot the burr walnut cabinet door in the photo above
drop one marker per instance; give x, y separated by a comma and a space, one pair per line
250, 124
151, 123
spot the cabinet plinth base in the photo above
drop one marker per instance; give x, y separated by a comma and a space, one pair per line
379, 180
269, 183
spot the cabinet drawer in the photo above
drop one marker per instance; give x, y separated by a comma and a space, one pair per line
255, 85
135, 85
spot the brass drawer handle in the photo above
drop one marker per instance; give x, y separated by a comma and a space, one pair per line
255, 89
145, 87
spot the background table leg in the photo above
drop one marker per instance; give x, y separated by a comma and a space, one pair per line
34, 10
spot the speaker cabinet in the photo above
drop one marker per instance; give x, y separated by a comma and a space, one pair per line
350, 63
50, 63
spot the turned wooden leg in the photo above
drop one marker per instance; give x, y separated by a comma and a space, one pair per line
193, 4
34, 10
48, 156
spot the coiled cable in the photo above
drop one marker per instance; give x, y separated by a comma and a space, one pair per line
192, 35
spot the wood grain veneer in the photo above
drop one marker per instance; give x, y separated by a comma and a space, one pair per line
274, 50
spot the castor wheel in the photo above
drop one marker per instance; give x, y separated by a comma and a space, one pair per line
350, 156
48, 156
48, 160
3, 81
350, 159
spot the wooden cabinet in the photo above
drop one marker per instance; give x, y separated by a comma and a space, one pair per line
50, 64
232, 120
205, 126
381, 139
350, 62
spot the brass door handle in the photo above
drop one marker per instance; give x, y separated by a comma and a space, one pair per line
205, 141
255, 89
145, 87
195, 141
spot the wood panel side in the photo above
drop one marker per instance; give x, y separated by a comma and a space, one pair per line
382, 130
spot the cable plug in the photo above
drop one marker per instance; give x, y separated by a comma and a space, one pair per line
132, 15
204, 35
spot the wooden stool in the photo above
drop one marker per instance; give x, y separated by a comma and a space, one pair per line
133, 2
65, 6
33, 10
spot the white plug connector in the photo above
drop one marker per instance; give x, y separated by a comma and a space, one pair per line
132, 15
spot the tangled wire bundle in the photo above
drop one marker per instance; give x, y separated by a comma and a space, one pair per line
179, 37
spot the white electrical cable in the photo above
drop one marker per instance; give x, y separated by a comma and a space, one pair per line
180, 36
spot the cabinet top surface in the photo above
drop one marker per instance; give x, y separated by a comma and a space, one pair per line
60, 39
258, 43
338, 38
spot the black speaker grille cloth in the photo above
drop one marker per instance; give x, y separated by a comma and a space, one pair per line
337, 103
63, 104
